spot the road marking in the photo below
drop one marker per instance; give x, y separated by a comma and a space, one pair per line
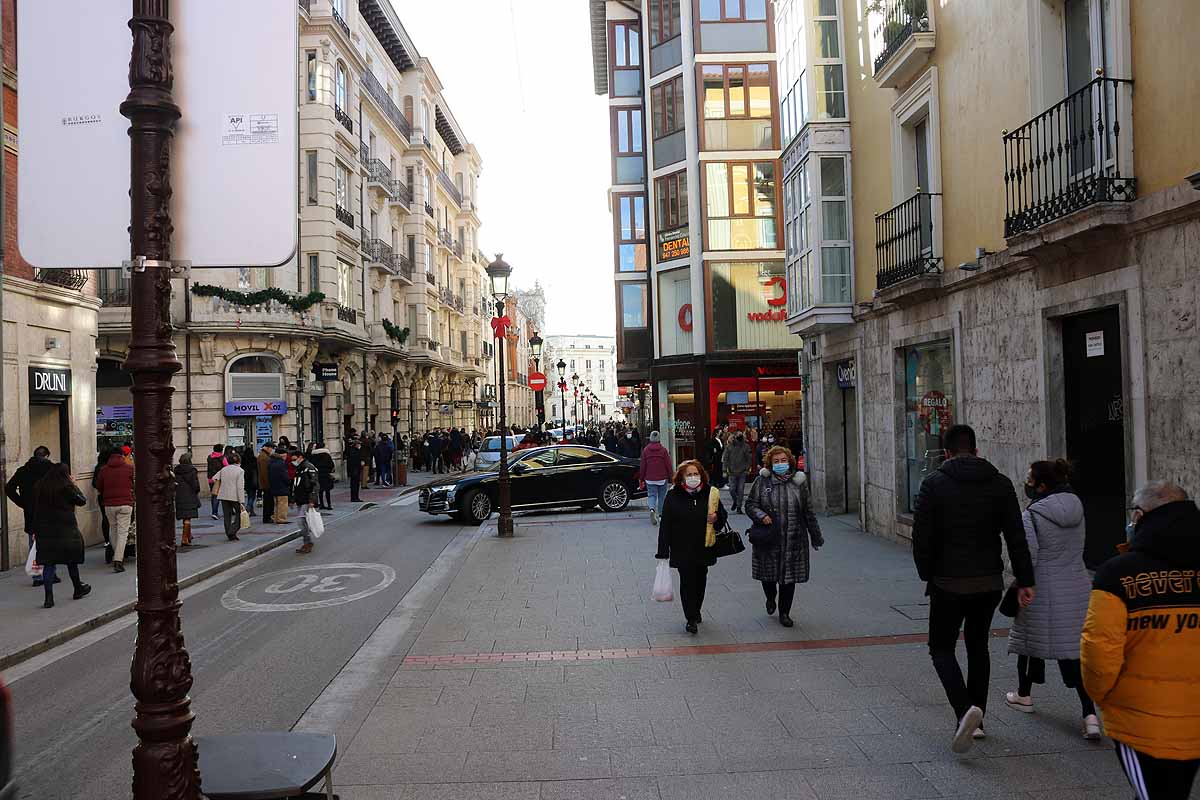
407, 500
304, 580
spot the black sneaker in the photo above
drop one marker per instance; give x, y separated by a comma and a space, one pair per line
83, 591
770, 607
691, 628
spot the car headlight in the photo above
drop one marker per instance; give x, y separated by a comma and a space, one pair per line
450, 494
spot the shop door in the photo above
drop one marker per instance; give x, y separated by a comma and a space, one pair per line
46, 429
318, 419
1095, 427
850, 467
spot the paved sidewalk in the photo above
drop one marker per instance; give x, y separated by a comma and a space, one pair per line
29, 629
544, 671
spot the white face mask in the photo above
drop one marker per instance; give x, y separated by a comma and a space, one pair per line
692, 481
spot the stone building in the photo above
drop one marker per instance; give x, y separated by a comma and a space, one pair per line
594, 360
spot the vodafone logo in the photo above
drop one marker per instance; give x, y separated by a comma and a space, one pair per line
775, 293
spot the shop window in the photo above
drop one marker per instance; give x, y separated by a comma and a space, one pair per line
929, 409
738, 110
748, 306
741, 202
630, 220
625, 59
628, 159
675, 312
255, 378
670, 193
634, 315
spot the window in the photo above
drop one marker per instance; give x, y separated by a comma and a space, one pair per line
628, 163
929, 407
747, 306
311, 61
602, 367
741, 205
675, 312
345, 289
343, 188
738, 110
670, 193
666, 107
626, 60
568, 456
314, 272
310, 164
734, 26
587, 364
411, 249
340, 90
537, 461
572, 363
631, 232
828, 70
793, 65
733, 10
633, 307
664, 20
340, 7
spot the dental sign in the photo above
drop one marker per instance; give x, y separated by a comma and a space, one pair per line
775, 292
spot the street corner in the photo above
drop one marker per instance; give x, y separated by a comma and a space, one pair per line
308, 587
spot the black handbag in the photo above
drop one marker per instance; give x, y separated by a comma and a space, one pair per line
763, 536
1010, 605
728, 543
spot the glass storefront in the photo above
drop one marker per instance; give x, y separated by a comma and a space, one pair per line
749, 306
769, 405
675, 312
929, 407
676, 414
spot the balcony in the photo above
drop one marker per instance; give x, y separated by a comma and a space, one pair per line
456, 247
380, 337
402, 267
905, 38
431, 279
341, 23
113, 287
380, 255
379, 177
444, 238
73, 279
1069, 158
908, 248
428, 210
268, 315
344, 216
345, 314
385, 103
451, 189
344, 118
400, 194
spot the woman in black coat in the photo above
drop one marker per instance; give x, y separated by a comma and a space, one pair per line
688, 513
250, 465
55, 498
187, 495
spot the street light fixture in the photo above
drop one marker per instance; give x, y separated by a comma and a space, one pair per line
562, 388
535, 349
498, 272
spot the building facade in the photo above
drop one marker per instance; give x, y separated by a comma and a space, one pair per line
380, 323
594, 360
693, 88
1012, 187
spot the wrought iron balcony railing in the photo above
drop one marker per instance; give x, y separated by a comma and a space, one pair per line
345, 216
450, 187
428, 209
402, 266
430, 278
901, 19
379, 252
457, 247
386, 103
906, 242
344, 118
1068, 157
379, 174
401, 192
445, 238
341, 23
364, 153
347, 314
113, 287
74, 279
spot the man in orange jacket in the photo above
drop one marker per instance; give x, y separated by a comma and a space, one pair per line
1141, 645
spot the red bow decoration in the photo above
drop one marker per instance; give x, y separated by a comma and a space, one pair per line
499, 324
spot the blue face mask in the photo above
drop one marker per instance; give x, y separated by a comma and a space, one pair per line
781, 469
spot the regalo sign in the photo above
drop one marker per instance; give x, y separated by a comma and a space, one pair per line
775, 292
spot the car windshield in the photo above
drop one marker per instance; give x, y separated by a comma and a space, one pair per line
492, 443
512, 460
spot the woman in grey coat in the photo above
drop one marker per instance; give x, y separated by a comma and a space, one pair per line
1050, 626
779, 499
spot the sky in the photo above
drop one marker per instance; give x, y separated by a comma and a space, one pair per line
517, 74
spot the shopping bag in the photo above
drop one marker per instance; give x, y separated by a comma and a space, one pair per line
32, 568
316, 525
664, 589
244, 519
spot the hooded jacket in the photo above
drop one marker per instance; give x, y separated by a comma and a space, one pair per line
278, 481
323, 461
656, 463
1141, 640
116, 482
20, 487
737, 457
187, 491
961, 512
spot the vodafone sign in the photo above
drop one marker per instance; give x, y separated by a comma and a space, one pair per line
775, 293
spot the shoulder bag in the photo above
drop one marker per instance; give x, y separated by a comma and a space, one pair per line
1010, 605
765, 536
729, 543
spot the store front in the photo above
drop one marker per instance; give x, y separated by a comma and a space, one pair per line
254, 401
49, 415
930, 405
114, 405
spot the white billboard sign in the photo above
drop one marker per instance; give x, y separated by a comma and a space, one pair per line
234, 159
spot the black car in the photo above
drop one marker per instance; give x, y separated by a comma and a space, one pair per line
563, 476
8, 789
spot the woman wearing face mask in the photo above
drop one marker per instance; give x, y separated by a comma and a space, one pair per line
692, 514
779, 499
1050, 626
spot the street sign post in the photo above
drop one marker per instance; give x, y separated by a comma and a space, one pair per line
537, 381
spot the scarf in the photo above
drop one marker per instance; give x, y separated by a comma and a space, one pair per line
710, 532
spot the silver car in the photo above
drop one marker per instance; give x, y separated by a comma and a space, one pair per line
489, 451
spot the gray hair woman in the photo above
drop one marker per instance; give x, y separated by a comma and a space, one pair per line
779, 499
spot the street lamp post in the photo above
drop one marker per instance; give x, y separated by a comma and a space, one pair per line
539, 399
562, 388
498, 271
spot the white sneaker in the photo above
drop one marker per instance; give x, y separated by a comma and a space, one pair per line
1022, 703
964, 737
654, 518
979, 733
1091, 728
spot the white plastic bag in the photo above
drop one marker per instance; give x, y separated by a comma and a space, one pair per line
32, 568
316, 525
664, 589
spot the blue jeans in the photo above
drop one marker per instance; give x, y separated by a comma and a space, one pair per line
655, 495
215, 502
251, 495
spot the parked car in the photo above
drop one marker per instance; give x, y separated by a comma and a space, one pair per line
489, 451
561, 476
8, 786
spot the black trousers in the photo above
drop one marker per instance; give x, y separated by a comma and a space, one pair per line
972, 614
692, 582
1157, 778
786, 592
1032, 670
355, 478
268, 506
233, 517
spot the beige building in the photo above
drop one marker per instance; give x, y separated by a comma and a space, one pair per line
379, 323
594, 360
1009, 182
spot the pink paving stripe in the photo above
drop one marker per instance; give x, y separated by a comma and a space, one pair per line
464, 659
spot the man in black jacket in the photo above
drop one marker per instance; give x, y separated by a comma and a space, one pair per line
960, 514
354, 457
19, 489
304, 493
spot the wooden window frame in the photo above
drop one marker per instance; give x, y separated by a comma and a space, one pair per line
612, 51
671, 182
658, 97
619, 240
773, 81
778, 199
614, 139
697, 23
664, 8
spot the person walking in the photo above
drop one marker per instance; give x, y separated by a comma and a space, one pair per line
353, 458
1141, 645
19, 489
737, 459
116, 486
1048, 628
230, 484
692, 514
102, 457
383, 460
656, 472
435, 452
961, 513
627, 447
323, 461
263, 462
187, 495
304, 492
280, 488
215, 463
249, 464
55, 498
779, 500
712, 455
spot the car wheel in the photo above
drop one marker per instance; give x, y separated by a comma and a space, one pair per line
614, 496
477, 507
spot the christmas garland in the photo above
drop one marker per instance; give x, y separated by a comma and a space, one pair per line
294, 302
394, 331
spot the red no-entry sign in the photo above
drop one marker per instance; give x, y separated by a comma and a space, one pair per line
537, 381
